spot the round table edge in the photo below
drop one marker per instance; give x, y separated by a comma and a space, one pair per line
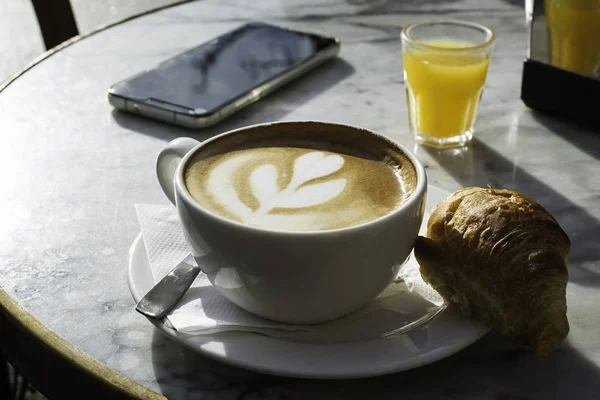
20, 320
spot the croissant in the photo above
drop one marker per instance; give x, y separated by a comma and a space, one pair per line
499, 256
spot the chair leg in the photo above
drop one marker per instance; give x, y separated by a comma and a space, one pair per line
23, 387
56, 20
5, 387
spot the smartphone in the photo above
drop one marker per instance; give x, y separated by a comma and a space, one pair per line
208, 83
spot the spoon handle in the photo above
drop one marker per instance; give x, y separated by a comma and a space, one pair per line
166, 294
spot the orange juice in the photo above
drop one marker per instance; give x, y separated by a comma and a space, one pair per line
574, 34
444, 89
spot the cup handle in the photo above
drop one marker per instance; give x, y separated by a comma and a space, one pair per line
168, 160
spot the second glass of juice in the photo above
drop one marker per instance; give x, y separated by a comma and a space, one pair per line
574, 34
445, 67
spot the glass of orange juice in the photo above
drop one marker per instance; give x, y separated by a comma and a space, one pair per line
574, 34
445, 66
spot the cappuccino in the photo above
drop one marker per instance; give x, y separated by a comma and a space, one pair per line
300, 180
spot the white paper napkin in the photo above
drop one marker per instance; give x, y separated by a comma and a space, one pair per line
203, 310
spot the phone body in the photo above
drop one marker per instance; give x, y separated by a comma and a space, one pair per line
208, 83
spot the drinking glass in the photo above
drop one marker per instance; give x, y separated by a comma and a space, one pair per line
445, 67
574, 34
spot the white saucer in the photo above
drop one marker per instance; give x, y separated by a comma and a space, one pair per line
447, 334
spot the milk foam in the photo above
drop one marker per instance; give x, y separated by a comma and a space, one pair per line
296, 188
264, 186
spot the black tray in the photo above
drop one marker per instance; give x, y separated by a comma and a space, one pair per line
556, 91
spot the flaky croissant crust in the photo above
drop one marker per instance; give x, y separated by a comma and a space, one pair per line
499, 256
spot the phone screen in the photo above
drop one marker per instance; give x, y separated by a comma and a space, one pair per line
209, 76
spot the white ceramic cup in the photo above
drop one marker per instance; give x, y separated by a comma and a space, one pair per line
294, 277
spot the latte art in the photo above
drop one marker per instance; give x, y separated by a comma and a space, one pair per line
263, 182
295, 188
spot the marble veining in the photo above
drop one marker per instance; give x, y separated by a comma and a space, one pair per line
72, 169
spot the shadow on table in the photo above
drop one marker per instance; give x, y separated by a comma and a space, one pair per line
273, 107
182, 373
389, 5
518, 3
492, 368
443, 7
480, 165
585, 138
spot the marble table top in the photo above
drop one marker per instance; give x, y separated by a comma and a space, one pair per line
72, 168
